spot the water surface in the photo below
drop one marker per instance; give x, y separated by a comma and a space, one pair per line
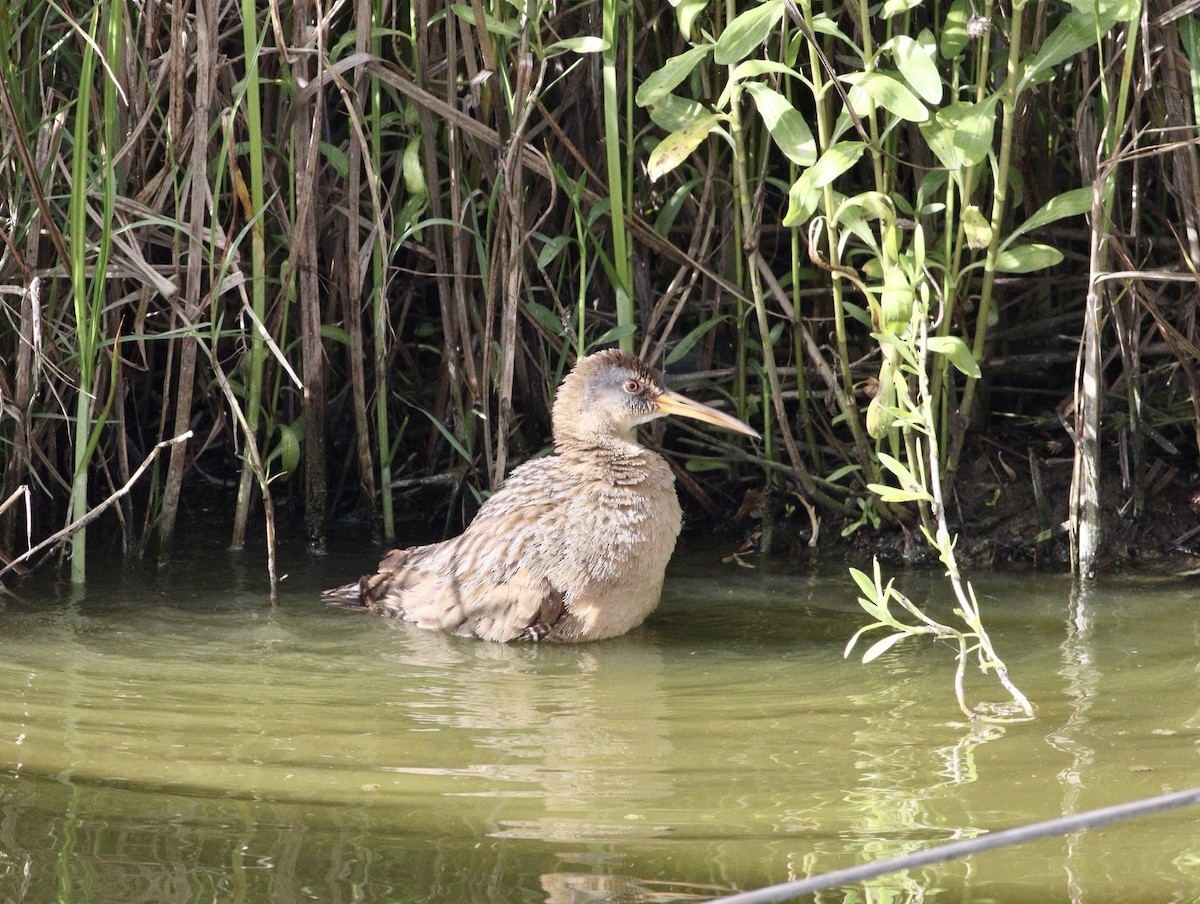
173, 737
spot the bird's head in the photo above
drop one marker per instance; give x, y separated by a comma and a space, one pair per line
609, 393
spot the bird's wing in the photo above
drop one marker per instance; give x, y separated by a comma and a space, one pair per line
497, 580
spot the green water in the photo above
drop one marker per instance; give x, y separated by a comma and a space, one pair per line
174, 738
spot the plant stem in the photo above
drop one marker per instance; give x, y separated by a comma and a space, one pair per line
1008, 101
622, 265
258, 269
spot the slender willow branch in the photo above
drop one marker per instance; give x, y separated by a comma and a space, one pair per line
93, 514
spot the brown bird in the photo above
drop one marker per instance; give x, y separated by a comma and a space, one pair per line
573, 546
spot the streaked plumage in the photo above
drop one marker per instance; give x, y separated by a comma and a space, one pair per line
573, 546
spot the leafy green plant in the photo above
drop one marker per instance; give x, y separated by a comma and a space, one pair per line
906, 254
972, 642
914, 411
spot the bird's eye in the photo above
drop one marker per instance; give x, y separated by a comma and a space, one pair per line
632, 386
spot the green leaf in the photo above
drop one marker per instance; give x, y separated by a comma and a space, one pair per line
954, 31
671, 113
662, 81
803, 198
671, 207
893, 494
615, 334
823, 25
835, 161
335, 333
977, 229
686, 12
787, 127
491, 23
865, 584
552, 249
842, 472
685, 344
859, 633
701, 465
745, 33
448, 436
676, 147
914, 59
959, 354
889, 93
896, 7
1027, 258
752, 68
1069, 204
414, 173
336, 158
960, 134
880, 647
898, 469
973, 125
580, 44
545, 317
288, 448
1074, 34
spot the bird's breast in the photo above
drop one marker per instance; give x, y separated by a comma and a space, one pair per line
625, 532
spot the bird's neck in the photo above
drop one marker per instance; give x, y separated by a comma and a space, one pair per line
617, 458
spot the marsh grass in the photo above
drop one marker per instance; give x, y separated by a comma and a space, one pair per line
354, 246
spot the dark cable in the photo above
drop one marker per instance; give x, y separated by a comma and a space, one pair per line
1063, 825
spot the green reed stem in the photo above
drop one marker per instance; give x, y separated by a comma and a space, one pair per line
821, 93
622, 265
89, 297
258, 285
1008, 101
379, 308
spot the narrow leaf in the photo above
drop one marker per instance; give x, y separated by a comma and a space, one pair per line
787, 127
671, 113
954, 31
889, 93
676, 147
662, 81
893, 494
491, 23
552, 249
751, 68
880, 647
959, 354
835, 161
580, 44
864, 582
685, 344
288, 448
803, 198
857, 634
1027, 258
1069, 204
745, 33
898, 469
1074, 34
914, 59
546, 317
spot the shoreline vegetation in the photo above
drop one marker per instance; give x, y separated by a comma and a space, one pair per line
933, 250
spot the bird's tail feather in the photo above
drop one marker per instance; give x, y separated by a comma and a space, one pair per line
348, 596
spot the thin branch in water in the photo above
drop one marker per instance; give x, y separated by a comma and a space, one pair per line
94, 513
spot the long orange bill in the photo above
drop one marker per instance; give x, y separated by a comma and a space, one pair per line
674, 403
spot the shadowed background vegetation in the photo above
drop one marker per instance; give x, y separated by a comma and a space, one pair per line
353, 246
